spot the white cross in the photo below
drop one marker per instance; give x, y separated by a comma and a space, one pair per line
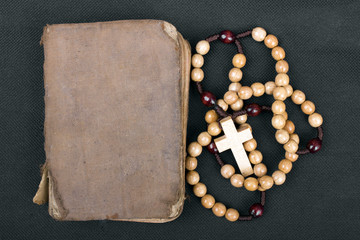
234, 139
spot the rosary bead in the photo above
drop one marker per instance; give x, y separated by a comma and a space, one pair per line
269, 87
279, 177
219, 209
314, 145
239, 60
271, 41
214, 129
237, 180
285, 115
285, 165
197, 75
204, 139
298, 97
227, 37
192, 177
308, 107
255, 157
199, 189
194, 149
211, 116
227, 171
266, 182
278, 121
250, 145
289, 90
234, 87
222, 104
278, 53
208, 99
282, 66
278, 107
197, 60
282, 79
212, 148
202, 47
282, 136
236, 106
289, 126
291, 156
230, 97
315, 120
295, 137
258, 89
253, 109
260, 169
245, 125
245, 92
256, 210
208, 201
280, 93
232, 215
235, 75
190, 163
291, 146
241, 119
258, 34
251, 184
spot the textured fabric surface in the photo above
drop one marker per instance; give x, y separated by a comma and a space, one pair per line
320, 198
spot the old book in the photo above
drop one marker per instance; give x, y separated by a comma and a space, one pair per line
116, 96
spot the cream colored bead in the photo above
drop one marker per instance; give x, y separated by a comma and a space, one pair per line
235, 75
260, 170
282, 66
285, 115
230, 97
211, 116
227, 171
194, 149
278, 53
258, 89
282, 79
291, 156
266, 182
219, 209
289, 90
278, 107
245, 92
289, 126
237, 180
295, 137
197, 75
232, 215
192, 177
298, 97
280, 93
241, 119
282, 136
197, 60
214, 129
285, 165
271, 41
315, 120
236, 106
269, 87
278, 121
250, 145
291, 146
239, 60
199, 189
251, 184
222, 104
258, 34
308, 107
202, 47
190, 163
234, 87
279, 177
204, 139
208, 201
255, 157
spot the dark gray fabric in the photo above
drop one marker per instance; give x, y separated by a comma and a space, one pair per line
320, 198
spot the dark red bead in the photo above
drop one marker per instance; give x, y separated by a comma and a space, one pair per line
253, 109
208, 99
212, 148
256, 210
314, 145
227, 36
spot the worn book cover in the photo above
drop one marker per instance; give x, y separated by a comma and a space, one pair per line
116, 96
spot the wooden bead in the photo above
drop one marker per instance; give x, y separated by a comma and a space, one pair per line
282, 136
266, 182
278, 53
208, 201
194, 149
202, 47
285, 115
291, 146
237, 180
285, 165
197, 75
298, 97
227, 37
269, 87
222, 104
235, 75
271, 41
289, 90
255, 157
282, 79
258, 34
204, 139
214, 129
278, 121
230, 97
258, 89
253, 109
251, 184
192, 177
234, 87
199, 189
289, 126
280, 93
219, 209
211, 116
278, 107
308, 107
241, 119
236, 106
197, 60
232, 215
245, 125
279, 177
239, 60
282, 66
245, 92
190, 163
291, 156
295, 137
250, 145
260, 169
315, 120
227, 171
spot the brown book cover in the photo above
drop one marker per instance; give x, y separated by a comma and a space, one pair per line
116, 96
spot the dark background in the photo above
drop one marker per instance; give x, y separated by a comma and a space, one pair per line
320, 198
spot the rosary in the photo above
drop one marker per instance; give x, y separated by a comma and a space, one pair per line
253, 173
